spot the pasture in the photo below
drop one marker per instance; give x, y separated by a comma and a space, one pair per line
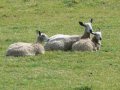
59, 70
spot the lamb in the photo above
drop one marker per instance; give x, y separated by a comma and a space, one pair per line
88, 44
27, 49
64, 42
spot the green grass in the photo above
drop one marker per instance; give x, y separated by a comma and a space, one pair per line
59, 70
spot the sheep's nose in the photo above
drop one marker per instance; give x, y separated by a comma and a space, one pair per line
90, 30
100, 38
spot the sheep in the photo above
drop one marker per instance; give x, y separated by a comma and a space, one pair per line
88, 44
28, 49
64, 42
87, 31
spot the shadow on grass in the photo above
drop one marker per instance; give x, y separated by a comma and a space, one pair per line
83, 88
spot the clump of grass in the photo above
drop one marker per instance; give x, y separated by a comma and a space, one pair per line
70, 3
83, 88
30, 2
26, 0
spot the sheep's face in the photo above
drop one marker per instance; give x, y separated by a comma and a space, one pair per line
98, 35
88, 26
42, 37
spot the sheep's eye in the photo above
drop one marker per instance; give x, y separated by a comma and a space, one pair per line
43, 35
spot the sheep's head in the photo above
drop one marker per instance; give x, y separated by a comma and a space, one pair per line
42, 37
88, 26
98, 35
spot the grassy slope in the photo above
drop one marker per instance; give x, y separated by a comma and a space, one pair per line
59, 70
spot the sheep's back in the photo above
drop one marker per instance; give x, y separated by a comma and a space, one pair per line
20, 49
54, 45
83, 45
58, 37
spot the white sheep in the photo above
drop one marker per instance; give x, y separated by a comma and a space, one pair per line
88, 44
64, 42
27, 49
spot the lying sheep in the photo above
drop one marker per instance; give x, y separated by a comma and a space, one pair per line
27, 49
64, 42
88, 44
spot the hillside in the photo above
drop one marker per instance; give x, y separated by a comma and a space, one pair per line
58, 70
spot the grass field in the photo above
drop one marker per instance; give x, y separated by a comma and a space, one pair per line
19, 19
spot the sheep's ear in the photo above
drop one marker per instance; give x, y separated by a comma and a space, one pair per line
38, 32
93, 33
81, 23
91, 20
